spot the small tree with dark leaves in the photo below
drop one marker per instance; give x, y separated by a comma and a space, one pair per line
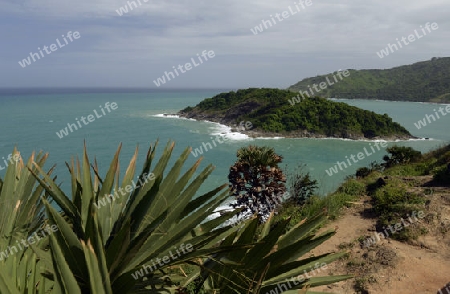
302, 186
256, 181
401, 155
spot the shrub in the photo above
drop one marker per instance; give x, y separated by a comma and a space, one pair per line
353, 187
442, 174
401, 155
187, 109
375, 166
392, 202
445, 159
302, 187
363, 172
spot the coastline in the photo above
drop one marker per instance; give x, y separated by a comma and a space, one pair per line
263, 135
381, 100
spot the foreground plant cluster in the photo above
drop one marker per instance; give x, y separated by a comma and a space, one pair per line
162, 227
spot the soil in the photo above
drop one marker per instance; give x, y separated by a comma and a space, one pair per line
390, 266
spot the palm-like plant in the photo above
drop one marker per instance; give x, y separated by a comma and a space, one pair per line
99, 249
256, 180
277, 262
22, 214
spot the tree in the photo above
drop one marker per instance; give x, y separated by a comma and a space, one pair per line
401, 155
302, 186
256, 180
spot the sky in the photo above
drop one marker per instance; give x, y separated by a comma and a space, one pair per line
134, 49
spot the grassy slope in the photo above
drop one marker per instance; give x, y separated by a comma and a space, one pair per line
362, 206
427, 81
390, 198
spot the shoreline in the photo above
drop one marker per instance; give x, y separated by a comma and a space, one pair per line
382, 100
262, 135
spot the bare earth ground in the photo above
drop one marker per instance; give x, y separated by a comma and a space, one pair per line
390, 266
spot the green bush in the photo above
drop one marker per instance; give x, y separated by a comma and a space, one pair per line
353, 187
415, 169
187, 109
302, 186
393, 202
363, 172
401, 155
442, 175
331, 204
444, 159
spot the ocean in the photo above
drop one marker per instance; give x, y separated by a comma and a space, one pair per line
32, 120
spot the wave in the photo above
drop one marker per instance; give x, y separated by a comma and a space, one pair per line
381, 140
164, 115
274, 138
235, 220
216, 130
381, 100
226, 131
350, 140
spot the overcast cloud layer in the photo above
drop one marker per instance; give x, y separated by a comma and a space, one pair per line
134, 49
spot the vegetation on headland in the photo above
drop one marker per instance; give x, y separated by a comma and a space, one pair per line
405, 198
275, 112
384, 183
427, 81
379, 181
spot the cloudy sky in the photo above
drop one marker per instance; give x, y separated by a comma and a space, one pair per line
134, 49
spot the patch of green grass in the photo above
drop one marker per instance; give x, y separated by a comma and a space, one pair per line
353, 187
292, 210
393, 202
413, 169
332, 204
391, 199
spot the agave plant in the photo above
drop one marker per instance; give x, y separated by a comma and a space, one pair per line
105, 248
277, 263
21, 218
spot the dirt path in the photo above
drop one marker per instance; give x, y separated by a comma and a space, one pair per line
388, 266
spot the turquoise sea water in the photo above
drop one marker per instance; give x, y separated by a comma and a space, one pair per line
30, 120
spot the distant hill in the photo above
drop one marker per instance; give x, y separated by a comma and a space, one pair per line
427, 81
275, 112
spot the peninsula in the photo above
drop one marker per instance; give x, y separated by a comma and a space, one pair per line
273, 114
426, 81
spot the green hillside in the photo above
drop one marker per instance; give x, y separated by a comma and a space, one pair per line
273, 113
427, 81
